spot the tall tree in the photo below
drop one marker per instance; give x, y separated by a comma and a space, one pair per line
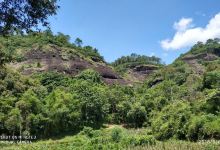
78, 42
25, 14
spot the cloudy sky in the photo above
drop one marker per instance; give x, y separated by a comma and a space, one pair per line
150, 27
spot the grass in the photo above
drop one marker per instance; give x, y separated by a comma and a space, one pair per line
67, 144
115, 138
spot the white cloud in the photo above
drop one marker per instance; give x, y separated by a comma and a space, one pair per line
183, 24
187, 35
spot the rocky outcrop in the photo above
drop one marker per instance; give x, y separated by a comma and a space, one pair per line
141, 72
193, 61
40, 60
203, 56
145, 69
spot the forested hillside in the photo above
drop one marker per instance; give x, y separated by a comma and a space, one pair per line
137, 67
40, 96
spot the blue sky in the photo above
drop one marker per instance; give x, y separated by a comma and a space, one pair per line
151, 27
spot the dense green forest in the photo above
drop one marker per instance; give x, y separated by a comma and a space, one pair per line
179, 101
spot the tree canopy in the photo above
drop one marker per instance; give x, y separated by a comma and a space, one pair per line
19, 15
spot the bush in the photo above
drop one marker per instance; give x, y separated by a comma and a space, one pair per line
88, 131
204, 127
212, 129
116, 134
90, 75
171, 121
212, 102
137, 115
141, 140
211, 80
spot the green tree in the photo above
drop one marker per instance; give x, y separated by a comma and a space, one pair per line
90, 75
14, 121
29, 104
203, 127
212, 79
78, 42
63, 110
25, 14
137, 115
212, 102
171, 121
94, 106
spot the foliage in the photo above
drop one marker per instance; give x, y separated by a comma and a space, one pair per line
116, 134
173, 103
126, 62
137, 115
203, 127
78, 42
171, 121
14, 47
212, 79
138, 59
211, 46
18, 15
90, 75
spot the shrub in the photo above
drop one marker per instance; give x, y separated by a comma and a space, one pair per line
171, 121
212, 80
137, 115
90, 75
88, 131
204, 127
116, 134
212, 129
141, 140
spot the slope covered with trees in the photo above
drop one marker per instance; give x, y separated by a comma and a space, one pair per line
51, 88
174, 102
136, 67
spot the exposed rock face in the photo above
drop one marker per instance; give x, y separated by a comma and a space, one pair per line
107, 72
204, 56
40, 61
145, 69
139, 73
52, 59
193, 61
116, 81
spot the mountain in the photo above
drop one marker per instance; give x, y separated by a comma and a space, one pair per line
52, 87
45, 52
202, 56
136, 67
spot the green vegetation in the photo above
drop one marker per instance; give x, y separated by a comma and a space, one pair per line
16, 46
24, 15
113, 138
174, 103
125, 62
177, 107
211, 46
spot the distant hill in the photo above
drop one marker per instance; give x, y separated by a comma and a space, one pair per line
191, 68
202, 57
137, 67
43, 52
